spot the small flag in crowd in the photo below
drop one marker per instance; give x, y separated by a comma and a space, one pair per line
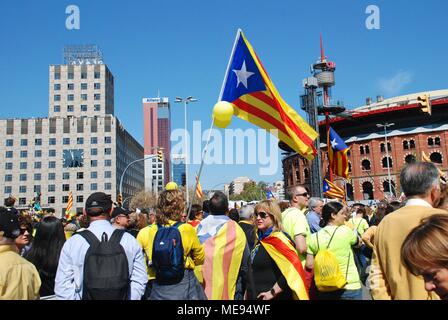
337, 154
69, 206
333, 191
255, 99
199, 193
269, 195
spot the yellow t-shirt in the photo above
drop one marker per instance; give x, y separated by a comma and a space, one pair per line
295, 223
341, 246
193, 250
360, 224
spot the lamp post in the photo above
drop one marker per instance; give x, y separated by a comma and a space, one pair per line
385, 125
186, 101
130, 164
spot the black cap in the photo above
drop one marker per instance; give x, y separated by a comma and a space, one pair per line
98, 200
9, 224
119, 210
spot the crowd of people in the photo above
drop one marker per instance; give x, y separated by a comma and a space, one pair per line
306, 248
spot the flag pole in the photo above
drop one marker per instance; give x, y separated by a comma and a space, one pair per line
200, 168
238, 33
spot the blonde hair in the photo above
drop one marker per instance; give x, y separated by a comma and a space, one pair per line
272, 208
171, 206
426, 246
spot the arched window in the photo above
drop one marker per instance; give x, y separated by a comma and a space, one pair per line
382, 147
430, 141
387, 190
306, 173
365, 165
367, 190
411, 144
350, 194
389, 147
367, 149
387, 162
405, 145
436, 157
410, 158
349, 167
297, 175
361, 150
437, 141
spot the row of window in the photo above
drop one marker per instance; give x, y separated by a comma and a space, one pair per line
406, 145
71, 86
71, 75
65, 175
71, 108
52, 164
52, 188
52, 141
71, 97
386, 162
52, 153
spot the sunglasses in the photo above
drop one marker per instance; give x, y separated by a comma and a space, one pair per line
22, 231
305, 194
262, 215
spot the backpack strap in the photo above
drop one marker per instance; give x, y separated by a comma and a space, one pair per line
90, 237
348, 263
328, 246
116, 236
317, 238
177, 224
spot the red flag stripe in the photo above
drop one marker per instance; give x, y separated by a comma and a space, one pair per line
277, 107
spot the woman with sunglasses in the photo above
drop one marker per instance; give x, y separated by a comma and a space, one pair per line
277, 272
24, 241
339, 239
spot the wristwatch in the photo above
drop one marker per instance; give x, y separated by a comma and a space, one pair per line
272, 291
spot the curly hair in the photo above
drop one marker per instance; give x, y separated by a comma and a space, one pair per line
171, 206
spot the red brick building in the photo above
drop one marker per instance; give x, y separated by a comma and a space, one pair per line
413, 132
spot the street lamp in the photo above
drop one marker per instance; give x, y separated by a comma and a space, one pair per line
186, 101
130, 164
385, 125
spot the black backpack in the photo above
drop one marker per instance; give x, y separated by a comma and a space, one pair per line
106, 269
168, 255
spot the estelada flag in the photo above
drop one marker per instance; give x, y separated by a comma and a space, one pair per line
282, 251
69, 206
255, 99
223, 256
333, 191
337, 154
199, 193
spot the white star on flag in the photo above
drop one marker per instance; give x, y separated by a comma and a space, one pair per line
243, 75
334, 143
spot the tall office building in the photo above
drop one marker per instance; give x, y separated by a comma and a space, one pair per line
80, 148
157, 130
179, 169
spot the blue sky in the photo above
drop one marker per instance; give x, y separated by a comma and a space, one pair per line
182, 48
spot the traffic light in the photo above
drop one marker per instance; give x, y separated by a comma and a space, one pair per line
425, 103
160, 155
119, 200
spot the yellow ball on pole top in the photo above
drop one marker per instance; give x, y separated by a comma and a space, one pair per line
171, 186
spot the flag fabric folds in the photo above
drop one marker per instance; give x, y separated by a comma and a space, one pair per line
69, 207
337, 154
284, 254
332, 191
199, 193
255, 99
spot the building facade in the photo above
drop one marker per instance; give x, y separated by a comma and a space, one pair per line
157, 130
80, 148
372, 160
179, 169
237, 185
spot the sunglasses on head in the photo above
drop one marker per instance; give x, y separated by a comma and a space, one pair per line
262, 215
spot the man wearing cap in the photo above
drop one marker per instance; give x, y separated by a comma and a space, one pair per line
120, 218
19, 279
69, 276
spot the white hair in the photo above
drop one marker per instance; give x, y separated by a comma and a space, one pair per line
246, 211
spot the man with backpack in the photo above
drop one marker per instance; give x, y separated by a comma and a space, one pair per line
100, 263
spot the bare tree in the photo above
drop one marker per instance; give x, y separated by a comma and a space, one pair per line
143, 200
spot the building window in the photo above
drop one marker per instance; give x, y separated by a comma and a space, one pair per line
367, 149
97, 75
8, 177
80, 199
65, 187
361, 150
66, 176
97, 107
410, 158
38, 165
83, 107
365, 165
70, 108
23, 154
83, 75
437, 141
387, 162
70, 86
57, 87
107, 163
22, 177
107, 139
9, 142
52, 164
52, 141
107, 151
405, 145
84, 96
411, 144
8, 190
94, 163
70, 76
52, 153
65, 199
436, 157
9, 154
37, 142
52, 176
93, 140
382, 147
367, 190
22, 189
23, 165
38, 153
80, 175
57, 76
83, 86
108, 174
51, 188
8, 166
37, 177
108, 186
97, 86
57, 97
93, 175
93, 186
37, 189
23, 142
79, 140
79, 187
51, 200
93, 151
97, 96
66, 141
22, 201
430, 142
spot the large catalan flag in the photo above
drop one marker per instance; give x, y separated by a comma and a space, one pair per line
332, 191
223, 256
337, 154
282, 251
255, 99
